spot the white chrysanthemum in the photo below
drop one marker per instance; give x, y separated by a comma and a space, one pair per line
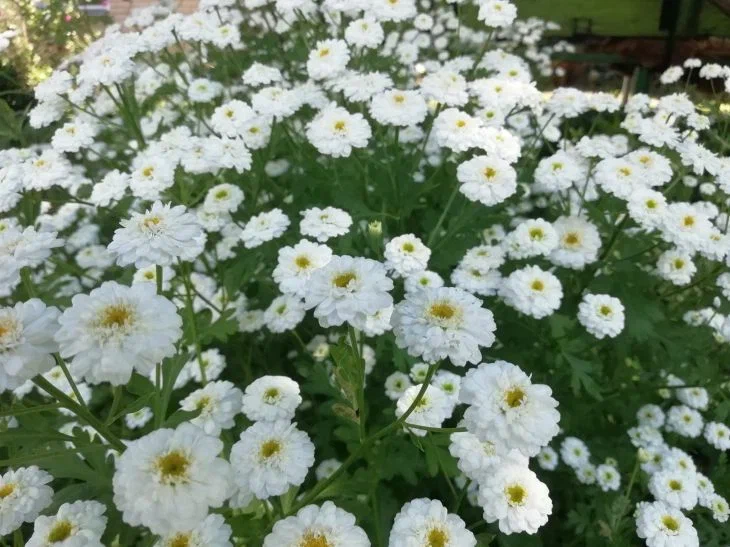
532, 291
264, 227
427, 522
365, 33
223, 198
348, 289
218, 404
574, 452
602, 315
296, 264
212, 532
396, 384
398, 107
718, 435
435, 324
322, 224
608, 477
211, 361
458, 131
497, 13
507, 408
406, 255
476, 458
24, 493
676, 267
77, 524
486, 179
168, 479
271, 398
533, 237
258, 74
515, 497
684, 421
664, 526
328, 59
675, 488
586, 473
159, 236
315, 526
284, 313
335, 132
647, 207
650, 415
431, 411
26, 341
696, 397
548, 459
271, 457
578, 243
19, 249
561, 171
138, 418
423, 280
116, 329
720, 508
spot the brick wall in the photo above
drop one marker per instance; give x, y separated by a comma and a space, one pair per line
119, 9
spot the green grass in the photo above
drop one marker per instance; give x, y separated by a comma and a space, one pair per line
621, 17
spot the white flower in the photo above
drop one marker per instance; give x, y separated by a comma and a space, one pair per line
720, 508
497, 13
487, 180
676, 267
435, 324
322, 224
718, 435
365, 33
396, 384
397, 107
258, 74
423, 280
427, 522
328, 59
664, 526
211, 532
475, 458
139, 418
696, 397
168, 479
602, 315
116, 329
271, 398
533, 237
218, 403
19, 249
77, 524
515, 497
24, 493
296, 264
271, 457
223, 198
578, 243
684, 421
335, 132
608, 477
26, 341
318, 526
159, 236
548, 459
574, 452
406, 255
532, 291
505, 407
431, 411
650, 415
348, 289
264, 227
675, 488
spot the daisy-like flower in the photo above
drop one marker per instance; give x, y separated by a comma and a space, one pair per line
423, 280
602, 315
532, 291
365, 33
515, 497
335, 132
323, 224
396, 384
424, 521
650, 415
533, 237
505, 407
158, 237
80, 523
406, 255
328, 59
398, 107
212, 532
675, 488
608, 477
487, 180
547, 458
296, 265
218, 403
271, 457
348, 289
497, 13
116, 329
26, 341
264, 227
475, 458
24, 493
684, 421
435, 324
718, 435
271, 398
168, 479
284, 313
223, 198
676, 267
315, 526
664, 526
578, 243
574, 452
431, 411
139, 418
19, 249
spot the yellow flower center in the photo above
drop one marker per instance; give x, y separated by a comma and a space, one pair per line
173, 466
605, 310
151, 222
302, 262
678, 263
324, 52
60, 531
436, 538
269, 448
557, 166
675, 485
340, 125
537, 285
625, 171
490, 173
515, 397
442, 310
116, 316
180, 540
688, 221
253, 130
670, 523
408, 247
343, 280
460, 123
516, 494
221, 194
399, 98
148, 171
312, 539
6, 490
571, 238
536, 234
651, 204
271, 394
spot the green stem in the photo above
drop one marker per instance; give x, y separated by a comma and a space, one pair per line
193, 327
441, 219
362, 415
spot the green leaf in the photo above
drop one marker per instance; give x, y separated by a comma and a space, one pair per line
581, 376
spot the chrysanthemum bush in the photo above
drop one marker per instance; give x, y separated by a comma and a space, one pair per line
338, 274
